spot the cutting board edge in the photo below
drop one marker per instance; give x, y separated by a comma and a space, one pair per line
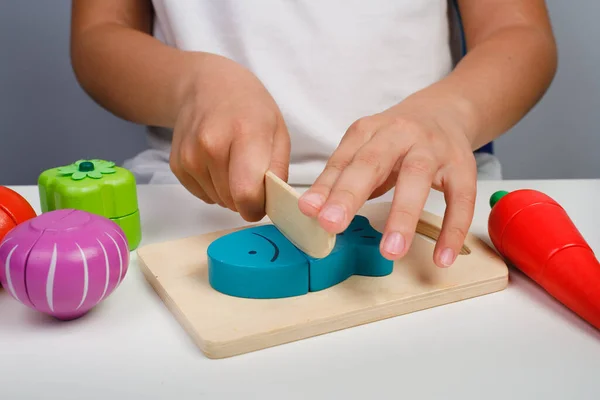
213, 350
171, 305
249, 344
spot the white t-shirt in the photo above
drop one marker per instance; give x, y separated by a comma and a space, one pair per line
327, 63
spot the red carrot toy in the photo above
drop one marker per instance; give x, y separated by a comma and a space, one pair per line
535, 234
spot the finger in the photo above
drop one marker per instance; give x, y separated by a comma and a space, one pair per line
461, 191
417, 171
193, 165
391, 179
187, 181
219, 173
250, 158
312, 201
280, 155
215, 151
182, 176
369, 168
388, 184
194, 188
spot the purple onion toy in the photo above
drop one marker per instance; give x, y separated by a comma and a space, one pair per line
64, 262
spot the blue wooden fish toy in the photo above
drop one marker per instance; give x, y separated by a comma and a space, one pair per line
261, 263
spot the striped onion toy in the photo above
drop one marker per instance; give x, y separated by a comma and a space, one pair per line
63, 262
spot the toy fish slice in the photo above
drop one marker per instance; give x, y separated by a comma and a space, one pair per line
283, 211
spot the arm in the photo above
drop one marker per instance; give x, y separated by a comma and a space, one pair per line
510, 63
227, 129
427, 140
121, 66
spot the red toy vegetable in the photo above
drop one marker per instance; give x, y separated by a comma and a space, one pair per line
14, 209
535, 234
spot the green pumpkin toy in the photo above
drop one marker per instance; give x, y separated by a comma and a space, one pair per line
95, 186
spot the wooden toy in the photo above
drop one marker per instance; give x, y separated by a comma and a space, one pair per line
304, 232
260, 262
14, 209
64, 262
533, 232
223, 325
95, 186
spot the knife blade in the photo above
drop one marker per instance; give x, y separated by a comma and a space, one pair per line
283, 211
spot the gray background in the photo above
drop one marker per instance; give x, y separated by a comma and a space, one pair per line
42, 105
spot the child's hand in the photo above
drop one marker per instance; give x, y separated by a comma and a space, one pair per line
415, 145
228, 133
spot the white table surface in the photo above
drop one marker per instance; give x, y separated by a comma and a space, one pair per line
518, 343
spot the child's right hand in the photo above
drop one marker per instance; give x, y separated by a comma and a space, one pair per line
229, 131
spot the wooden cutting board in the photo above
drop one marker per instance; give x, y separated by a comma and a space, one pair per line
224, 326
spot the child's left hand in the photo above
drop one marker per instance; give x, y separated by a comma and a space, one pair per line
422, 142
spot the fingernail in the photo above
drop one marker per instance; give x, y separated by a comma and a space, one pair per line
314, 199
447, 257
334, 214
394, 243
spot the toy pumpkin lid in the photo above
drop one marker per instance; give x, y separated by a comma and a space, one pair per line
96, 186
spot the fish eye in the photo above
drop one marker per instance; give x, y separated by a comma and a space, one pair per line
252, 252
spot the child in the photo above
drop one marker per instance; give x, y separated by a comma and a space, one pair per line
350, 97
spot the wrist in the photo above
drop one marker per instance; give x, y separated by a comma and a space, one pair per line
185, 89
468, 119
206, 75
461, 113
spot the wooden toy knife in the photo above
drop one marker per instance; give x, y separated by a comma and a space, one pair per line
303, 231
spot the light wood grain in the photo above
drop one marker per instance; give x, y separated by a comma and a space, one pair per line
224, 326
282, 209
